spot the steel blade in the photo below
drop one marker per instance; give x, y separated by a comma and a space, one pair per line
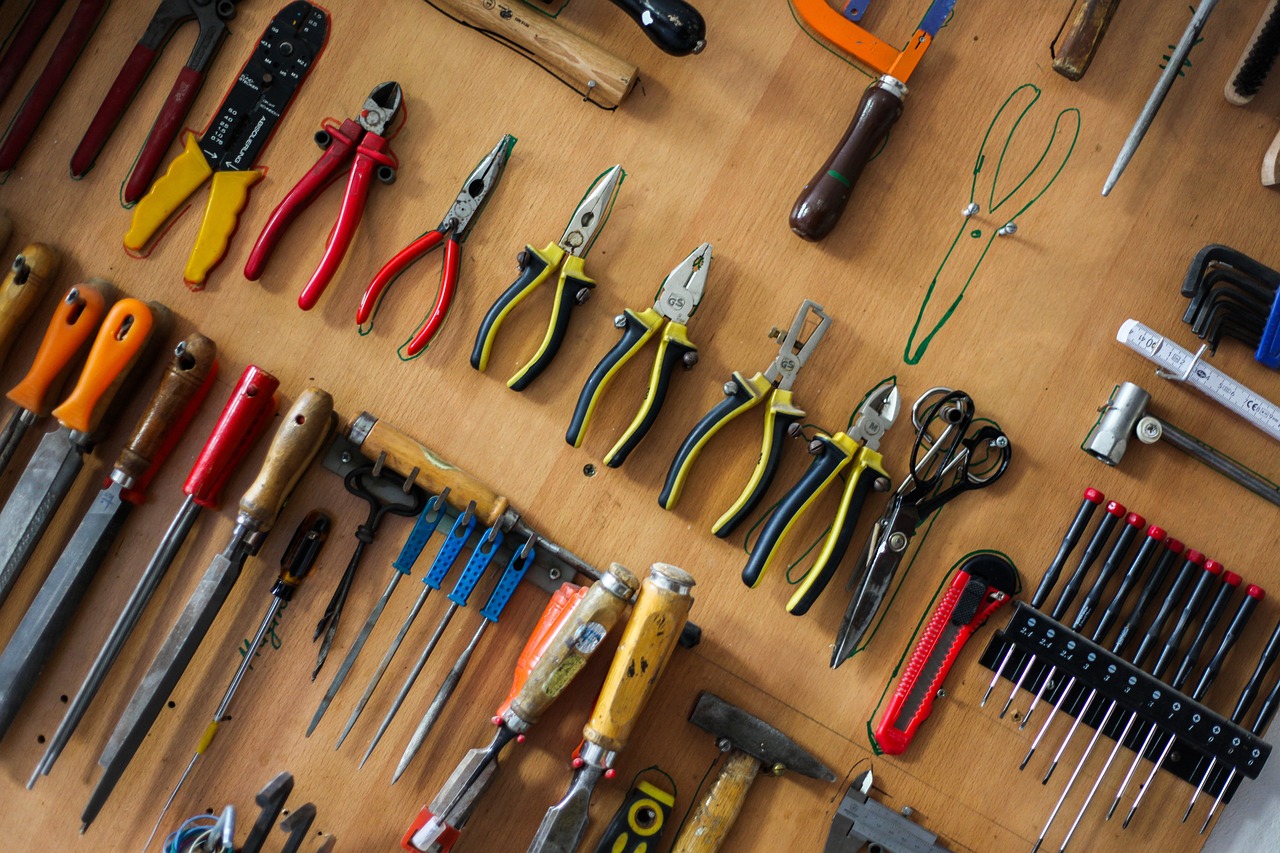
15, 429
353, 653
46, 481
565, 823
45, 620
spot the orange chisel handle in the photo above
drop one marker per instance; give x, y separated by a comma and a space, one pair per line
68, 333
121, 339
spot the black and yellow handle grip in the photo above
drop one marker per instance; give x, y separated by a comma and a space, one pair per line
673, 347
637, 329
778, 418
638, 824
823, 199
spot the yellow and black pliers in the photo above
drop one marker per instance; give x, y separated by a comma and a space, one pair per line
668, 319
537, 267
855, 455
742, 393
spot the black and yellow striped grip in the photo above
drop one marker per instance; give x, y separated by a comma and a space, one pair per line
638, 328
535, 267
673, 346
572, 281
778, 418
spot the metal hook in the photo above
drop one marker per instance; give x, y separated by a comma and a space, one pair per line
377, 464
1186, 371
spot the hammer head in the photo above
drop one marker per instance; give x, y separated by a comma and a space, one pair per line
755, 737
1110, 436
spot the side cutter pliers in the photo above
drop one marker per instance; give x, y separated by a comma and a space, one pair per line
854, 454
743, 393
668, 319
456, 225
537, 267
363, 142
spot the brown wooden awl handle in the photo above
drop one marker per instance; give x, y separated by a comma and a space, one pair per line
1081, 34
707, 829
22, 289
296, 443
823, 199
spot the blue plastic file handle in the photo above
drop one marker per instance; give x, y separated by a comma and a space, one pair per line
481, 557
422, 531
511, 576
458, 536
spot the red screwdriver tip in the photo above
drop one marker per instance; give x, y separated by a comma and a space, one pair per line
1116, 509
1157, 533
1094, 496
1174, 545
1135, 520
1255, 591
1213, 567
1195, 556
1229, 578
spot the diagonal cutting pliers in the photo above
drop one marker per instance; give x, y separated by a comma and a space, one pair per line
456, 225
537, 267
743, 393
855, 455
170, 15
668, 319
363, 142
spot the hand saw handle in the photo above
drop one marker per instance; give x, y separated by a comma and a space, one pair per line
823, 199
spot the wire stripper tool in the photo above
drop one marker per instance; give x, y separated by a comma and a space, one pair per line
240, 129
741, 393
675, 304
568, 257
856, 456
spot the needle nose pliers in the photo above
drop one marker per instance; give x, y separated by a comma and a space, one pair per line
365, 143
676, 302
212, 17
456, 225
537, 267
742, 393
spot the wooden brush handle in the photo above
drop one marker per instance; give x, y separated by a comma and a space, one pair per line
707, 829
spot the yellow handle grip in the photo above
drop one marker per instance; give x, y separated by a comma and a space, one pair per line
72, 326
296, 443
22, 289
710, 824
122, 337
227, 197
578, 636
187, 172
656, 621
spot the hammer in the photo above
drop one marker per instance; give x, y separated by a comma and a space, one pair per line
751, 743
1126, 414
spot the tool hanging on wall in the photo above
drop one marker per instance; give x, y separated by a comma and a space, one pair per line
1250, 74
565, 263
1233, 295
29, 276
1081, 35
824, 197
177, 399
39, 100
639, 823
667, 320
365, 142
452, 232
780, 413
211, 18
295, 445
674, 26
233, 141
861, 824
248, 411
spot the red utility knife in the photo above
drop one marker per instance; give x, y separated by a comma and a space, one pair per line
982, 584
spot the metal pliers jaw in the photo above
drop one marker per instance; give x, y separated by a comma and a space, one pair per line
382, 108
676, 302
855, 455
743, 393
573, 287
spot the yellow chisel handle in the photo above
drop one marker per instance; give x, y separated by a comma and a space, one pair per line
73, 324
577, 637
185, 174
296, 443
656, 621
227, 197
26, 282
710, 824
122, 337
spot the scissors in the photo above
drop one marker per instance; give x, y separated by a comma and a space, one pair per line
965, 455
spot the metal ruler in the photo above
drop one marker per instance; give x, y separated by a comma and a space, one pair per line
1180, 365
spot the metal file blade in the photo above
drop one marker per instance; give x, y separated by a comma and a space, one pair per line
565, 823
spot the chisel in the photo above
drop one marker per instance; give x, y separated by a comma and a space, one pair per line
20, 293
181, 392
52, 471
249, 409
69, 332
650, 637
295, 445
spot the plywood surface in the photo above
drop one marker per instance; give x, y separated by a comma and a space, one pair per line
716, 147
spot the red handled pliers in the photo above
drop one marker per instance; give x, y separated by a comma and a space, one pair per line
365, 141
456, 225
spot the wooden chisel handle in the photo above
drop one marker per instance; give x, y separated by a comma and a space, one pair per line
296, 443
707, 829
123, 336
72, 327
650, 637
1081, 34
28, 277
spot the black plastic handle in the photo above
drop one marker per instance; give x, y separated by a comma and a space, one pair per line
1198, 594
1092, 497
1091, 551
672, 353
567, 290
1229, 637
1118, 551
1192, 567
673, 25
734, 404
1250, 691
634, 335
1172, 551
1192, 656
532, 265
823, 571
1155, 537
776, 432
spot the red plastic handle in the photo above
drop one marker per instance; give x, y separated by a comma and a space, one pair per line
23, 42
326, 170
117, 100
163, 132
248, 412
392, 270
445, 842
439, 311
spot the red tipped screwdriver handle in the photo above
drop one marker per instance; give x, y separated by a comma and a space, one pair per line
1230, 581
1211, 570
1092, 551
1253, 596
1155, 538
1132, 524
249, 410
1192, 568
1092, 497
1172, 551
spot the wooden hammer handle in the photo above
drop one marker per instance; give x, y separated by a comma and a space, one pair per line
1080, 36
707, 829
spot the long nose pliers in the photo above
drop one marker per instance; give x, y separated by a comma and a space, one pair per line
365, 143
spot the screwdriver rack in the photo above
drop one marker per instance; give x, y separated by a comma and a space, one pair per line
1203, 734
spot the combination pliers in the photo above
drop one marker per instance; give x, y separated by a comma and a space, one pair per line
855, 455
742, 394
537, 267
676, 302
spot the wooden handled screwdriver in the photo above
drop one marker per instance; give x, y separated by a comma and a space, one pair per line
20, 293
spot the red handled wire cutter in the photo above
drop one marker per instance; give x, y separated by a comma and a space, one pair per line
456, 225
364, 141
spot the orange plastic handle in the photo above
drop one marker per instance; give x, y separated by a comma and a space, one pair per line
73, 324
122, 337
